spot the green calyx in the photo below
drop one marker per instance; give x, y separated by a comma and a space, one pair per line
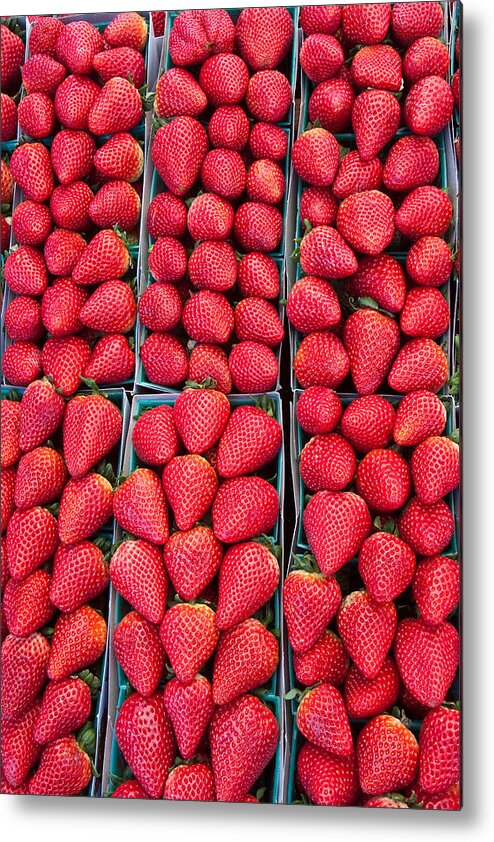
305, 562
91, 680
86, 737
207, 383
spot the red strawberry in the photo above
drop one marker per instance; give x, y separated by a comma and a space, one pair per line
257, 275
265, 182
167, 260
328, 781
167, 216
266, 141
428, 529
258, 227
31, 223
321, 57
190, 485
80, 573
377, 66
436, 588
74, 99
355, 175
382, 279
123, 62
139, 652
10, 416
324, 253
190, 707
192, 559
66, 706
327, 462
425, 57
111, 361
449, 800
251, 439
387, 755
160, 307
420, 414
36, 115
178, 151
246, 657
210, 217
439, 766
249, 576
64, 360
9, 117
64, 769
76, 46
213, 265
312, 305
253, 367
41, 73
22, 319
130, 789
189, 637
414, 20
210, 361
7, 502
25, 271
139, 506
4, 234
201, 416
420, 364
427, 659
41, 476
31, 540
196, 34
366, 23
269, 96
325, 661
224, 79
372, 341
428, 106
320, 19
229, 128
323, 720
368, 650
154, 437
425, 313
243, 737
92, 426
367, 423
115, 203
11, 58
106, 256
127, 29
118, 108
318, 410
365, 698
321, 360
264, 36
24, 663
435, 468
318, 206
179, 93
410, 163
145, 737
60, 309
386, 565
223, 172
72, 155
121, 156
44, 34
429, 262
111, 308
7, 182
21, 363
383, 480
315, 157
26, 604
78, 641
310, 601
137, 572
192, 782
62, 251
20, 751
424, 212
86, 505
375, 120
354, 218
164, 359
234, 522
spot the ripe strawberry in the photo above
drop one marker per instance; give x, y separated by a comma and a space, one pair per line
249, 576
26, 604
139, 652
213, 265
137, 572
426, 211
258, 320
21, 363
111, 308
178, 93
78, 641
321, 57
243, 737
189, 637
223, 172
197, 34
25, 271
121, 156
326, 660
74, 98
36, 115
254, 367
386, 565
257, 513
210, 361
190, 485
6, 507
264, 36
31, 223
66, 706
327, 462
178, 151
425, 313
411, 162
383, 480
106, 256
328, 781
266, 141
428, 106
62, 251
42, 74
86, 505
318, 410
429, 262
269, 96
154, 437
435, 465
192, 559
387, 755
31, 540
76, 46
377, 66
11, 58
321, 360
315, 157
320, 19
449, 800
44, 34
10, 418
210, 217
139, 506
160, 307
60, 308
365, 698
381, 278
224, 79
192, 782
167, 260
80, 573
20, 751
257, 275
318, 206
414, 20
354, 218
265, 182
246, 657
64, 360
427, 659
167, 216
428, 529
127, 29
425, 57
145, 737
436, 588
190, 707
42, 412
323, 720
336, 524
310, 601
64, 769
367, 423
420, 364
92, 426
366, 23
164, 359
420, 415
439, 766
393, 802
201, 416
115, 203
7, 183
123, 62
229, 128
375, 120
24, 663
251, 439
325, 254
313, 305
8, 117
372, 341
112, 360
358, 611
258, 227
41, 476
118, 108
72, 155
355, 175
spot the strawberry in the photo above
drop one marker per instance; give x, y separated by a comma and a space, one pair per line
127, 29
11, 58
327, 462
449, 800
229, 128
154, 437
178, 150
190, 707
439, 766
246, 657
41, 476
243, 736
321, 57
160, 307
31, 223
42, 73
139, 652
425, 57
410, 163
253, 367
7, 182
86, 505
383, 480
112, 360
111, 308
192, 559
372, 341
189, 637
64, 769
190, 485
367, 423
375, 120
121, 156
20, 751
106, 256
415, 20
263, 37
315, 157
326, 660
76, 46
257, 275
323, 720
428, 529
420, 414
428, 106
72, 155
64, 360
436, 588
393, 802
210, 361
251, 439
358, 611
310, 601
427, 659
44, 34
6, 506
164, 359
366, 23
355, 175
210, 217
365, 698
386, 564
426, 211
139, 506
10, 418
327, 780
123, 62
74, 99
26, 604
224, 79
456, 88
24, 663
80, 573
201, 416
137, 572
355, 214
25, 271
266, 141
377, 66
425, 313
213, 265
318, 206
249, 576
429, 262
197, 34
318, 410
325, 254
167, 260
387, 755
130, 789
167, 216
78, 641
178, 93
258, 512
36, 114
320, 19
269, 96
265, 182
435, 465
192, 782
31, 540
118, 108
9, 117
92, 426
4, 234
312, 305
60, 309
62, 251
115, 203
21, 363
258, 227
145, 737
66, 706
321, 360
420, 364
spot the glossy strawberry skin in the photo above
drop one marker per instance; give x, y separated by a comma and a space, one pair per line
26, 603
327, 660
419, 415
139, 506
428, 529
24, 663
257, 274
249, 575
310, 601
192, 559
251, 439
327, 780
411, 162
357, 611
137, 571
436, 588
439, 767
383, 480
139, 652
64, 769
246, 657
372, 341
154, 437
435, 468
19, 748
65, 707
323, 720
365, 698
92, 426
254, 367
145, 737
321, 360
31, 540
189, 636
336, 524
78, 641
427, 659
367, 423
190, 707
258, 513
318, 410
387, 755
80, 573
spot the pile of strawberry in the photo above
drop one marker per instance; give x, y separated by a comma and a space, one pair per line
78, 171
54, 573
383, 319
218, 222
195, 583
